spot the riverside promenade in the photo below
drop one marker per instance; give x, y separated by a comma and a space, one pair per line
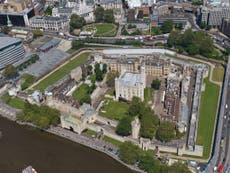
93, 143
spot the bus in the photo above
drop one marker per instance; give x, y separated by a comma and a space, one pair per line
220, 168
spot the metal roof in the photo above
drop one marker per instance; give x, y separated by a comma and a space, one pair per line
7, 41
131, 79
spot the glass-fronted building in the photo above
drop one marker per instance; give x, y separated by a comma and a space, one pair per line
11, 51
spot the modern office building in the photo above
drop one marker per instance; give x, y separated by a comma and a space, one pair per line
17, 18
213, 16
179, 20
17, 11
225, 27
49, 23
11, 51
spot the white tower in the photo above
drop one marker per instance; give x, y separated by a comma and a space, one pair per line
135, 128
143, 75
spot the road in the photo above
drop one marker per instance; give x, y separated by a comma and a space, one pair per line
220, 154
107, 40
224, 157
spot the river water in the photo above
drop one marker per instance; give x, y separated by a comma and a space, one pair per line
23, 146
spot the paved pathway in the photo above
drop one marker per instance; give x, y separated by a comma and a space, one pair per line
93, 143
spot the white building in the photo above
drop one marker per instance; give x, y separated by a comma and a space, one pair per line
136, 126
134, 3
75, 7
49, 23
84, 10
129, 85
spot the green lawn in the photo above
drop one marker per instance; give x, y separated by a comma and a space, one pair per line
70, 51
111, 91
90, 132
208, 108
112, 141
105, 30
60, 73
29, 80
218, 74
92, 78
81, 92
148, 94
13, 101
114, 109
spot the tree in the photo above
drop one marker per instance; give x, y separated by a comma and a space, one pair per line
156, 30
120, 42
108, 16
41, 116
124, 127
149, 122
130, 26
97, 67
85, 99
193, 42
167, 26
187, 38
104, 68
10, 71
77, 44
89, 69
48, 11
193, 49
227, 51
203, 25
174, 38
179, 167
149, 164
156, 84
166, 131
99, 14
135, 107
37, 33
5, 30
98, 72
76, 22
129, 153
197, 2
110, 80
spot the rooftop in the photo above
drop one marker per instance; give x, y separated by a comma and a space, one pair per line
136, 51
110, 1
49, 18
131, 79
7, 41
50, 43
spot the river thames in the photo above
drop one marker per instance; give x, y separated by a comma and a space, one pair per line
22, 146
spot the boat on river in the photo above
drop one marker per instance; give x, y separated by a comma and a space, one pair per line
29, 169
